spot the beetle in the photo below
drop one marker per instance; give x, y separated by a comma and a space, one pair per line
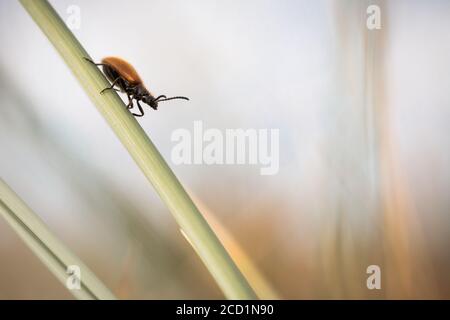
123, 75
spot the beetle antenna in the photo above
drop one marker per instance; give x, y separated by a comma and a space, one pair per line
172, 98
160, 97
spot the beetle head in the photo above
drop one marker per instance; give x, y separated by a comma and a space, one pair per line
153, 102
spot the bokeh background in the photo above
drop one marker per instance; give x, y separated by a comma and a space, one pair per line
364, 146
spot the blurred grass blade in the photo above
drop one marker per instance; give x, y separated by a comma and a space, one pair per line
47, 247
143, 151
262, 287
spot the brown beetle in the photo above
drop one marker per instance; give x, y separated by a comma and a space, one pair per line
122, 74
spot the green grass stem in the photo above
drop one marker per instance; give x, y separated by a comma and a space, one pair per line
143, 151
33, 231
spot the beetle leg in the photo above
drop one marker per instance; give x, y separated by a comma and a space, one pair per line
130, 102
103, 64
112, 85
140, 109
97, 64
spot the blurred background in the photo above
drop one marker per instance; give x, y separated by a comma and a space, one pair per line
363, 116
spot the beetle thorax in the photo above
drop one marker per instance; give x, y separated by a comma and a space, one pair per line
141, 91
